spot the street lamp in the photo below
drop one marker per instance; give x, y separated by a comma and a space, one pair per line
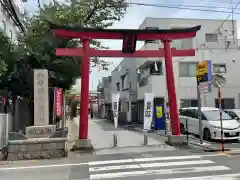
218, 81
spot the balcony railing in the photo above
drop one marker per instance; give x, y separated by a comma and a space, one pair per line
222, 44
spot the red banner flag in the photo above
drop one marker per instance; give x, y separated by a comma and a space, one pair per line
58, 102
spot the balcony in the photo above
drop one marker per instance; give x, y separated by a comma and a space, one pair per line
149, 68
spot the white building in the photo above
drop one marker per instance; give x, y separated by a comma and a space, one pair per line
11, 18
220, 45
105, 97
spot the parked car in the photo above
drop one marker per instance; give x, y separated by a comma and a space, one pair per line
234, 113
211, 126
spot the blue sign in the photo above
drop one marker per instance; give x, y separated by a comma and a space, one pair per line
159, 117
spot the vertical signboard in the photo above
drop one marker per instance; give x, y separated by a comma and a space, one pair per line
204, 75
115, 107
58, 102
41, 100
148, 110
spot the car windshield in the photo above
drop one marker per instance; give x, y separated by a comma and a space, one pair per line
214, 115
238, 113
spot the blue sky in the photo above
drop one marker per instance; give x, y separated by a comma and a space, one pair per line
136, 14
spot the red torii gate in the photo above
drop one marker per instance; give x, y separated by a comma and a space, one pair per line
129, 37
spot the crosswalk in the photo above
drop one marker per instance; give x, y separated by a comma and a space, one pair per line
193, 167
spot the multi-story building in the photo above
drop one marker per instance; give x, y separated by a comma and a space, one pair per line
216, 41
124, 81
11, 18
105, 97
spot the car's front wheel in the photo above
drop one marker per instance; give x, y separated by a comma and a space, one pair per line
207, 135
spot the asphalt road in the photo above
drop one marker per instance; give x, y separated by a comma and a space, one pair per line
171, 165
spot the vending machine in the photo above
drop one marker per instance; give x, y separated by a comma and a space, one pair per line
159, 117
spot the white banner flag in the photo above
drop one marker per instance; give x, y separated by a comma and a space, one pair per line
115, 107
148, 110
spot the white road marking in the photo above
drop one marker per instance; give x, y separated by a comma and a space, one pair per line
165, 164
105, 162
189, 170
118, 167
149, 165
39, 167
158, 172
147, 159
92, 163
213, 177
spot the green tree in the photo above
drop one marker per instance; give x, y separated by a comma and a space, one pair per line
37, 45
7, 60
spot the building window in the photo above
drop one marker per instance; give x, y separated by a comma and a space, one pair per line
156, 68
227, 103
187, 69
182, 43
123, 84
219, 68
188, 103
211, 37
118, 86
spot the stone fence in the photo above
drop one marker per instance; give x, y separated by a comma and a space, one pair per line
39, 148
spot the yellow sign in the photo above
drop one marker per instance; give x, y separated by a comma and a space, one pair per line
202, 68
159, 111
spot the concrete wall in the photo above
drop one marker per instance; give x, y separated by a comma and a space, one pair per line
36, 149
207, 26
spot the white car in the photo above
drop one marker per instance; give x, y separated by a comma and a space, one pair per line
211, 126
234, 113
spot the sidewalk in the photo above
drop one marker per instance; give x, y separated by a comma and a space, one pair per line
128, 140
101, 134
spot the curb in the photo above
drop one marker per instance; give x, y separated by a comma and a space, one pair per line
216, 150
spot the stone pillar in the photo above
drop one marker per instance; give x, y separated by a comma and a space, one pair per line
41, 126
41, 99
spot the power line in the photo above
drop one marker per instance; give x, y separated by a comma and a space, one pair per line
228, 16
181, 7
203, 6
218, 27
217, 1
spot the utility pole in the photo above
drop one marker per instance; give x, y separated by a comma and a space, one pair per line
130, 103
199, 114
199, 105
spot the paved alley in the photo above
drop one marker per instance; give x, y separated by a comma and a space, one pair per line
101, 134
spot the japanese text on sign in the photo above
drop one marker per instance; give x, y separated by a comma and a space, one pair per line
58, 101
41, 100
148, 110
40, 95
203, 71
